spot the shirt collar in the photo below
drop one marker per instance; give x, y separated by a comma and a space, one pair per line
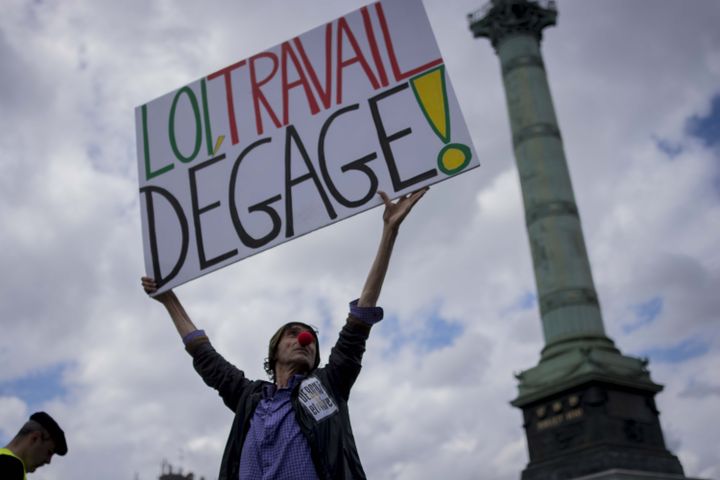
270, 388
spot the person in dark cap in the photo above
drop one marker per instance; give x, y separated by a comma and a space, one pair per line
296, 427
33, 446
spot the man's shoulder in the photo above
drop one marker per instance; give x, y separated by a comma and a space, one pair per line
11, 468
320, 373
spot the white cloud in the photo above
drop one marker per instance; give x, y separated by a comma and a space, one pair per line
13, 413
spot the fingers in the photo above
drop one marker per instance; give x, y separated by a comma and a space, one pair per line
408, 201
417, 195
148, 284
422, 191
385, 198
412, 197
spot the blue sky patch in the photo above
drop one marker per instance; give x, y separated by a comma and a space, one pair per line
438, 333
523, 302
669, 148
685, 350
38, 387
644, 314
432, 333
528, 301
94, 152
700, 389
706, 128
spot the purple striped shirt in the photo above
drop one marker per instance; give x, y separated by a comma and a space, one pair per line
275, 448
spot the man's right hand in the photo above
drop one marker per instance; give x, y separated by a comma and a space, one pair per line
180, 318
150, 287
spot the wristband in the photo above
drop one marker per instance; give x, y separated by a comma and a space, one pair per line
193, 335
369, 315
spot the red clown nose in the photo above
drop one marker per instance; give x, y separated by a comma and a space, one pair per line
305, 338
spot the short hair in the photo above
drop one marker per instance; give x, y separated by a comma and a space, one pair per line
48, 427
271, 359
31, 426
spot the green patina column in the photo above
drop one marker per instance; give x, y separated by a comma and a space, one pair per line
587, 408
571, 317
566, 293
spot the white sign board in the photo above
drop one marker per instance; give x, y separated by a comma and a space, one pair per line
296, 138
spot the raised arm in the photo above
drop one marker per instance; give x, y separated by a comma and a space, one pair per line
393, 216
215, 371
345, 358
179, 316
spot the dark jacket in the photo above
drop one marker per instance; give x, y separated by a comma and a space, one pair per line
11, 467
331, 439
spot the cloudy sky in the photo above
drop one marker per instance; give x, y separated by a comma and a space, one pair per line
636, 87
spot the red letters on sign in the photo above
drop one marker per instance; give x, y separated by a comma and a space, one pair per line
399, 76
287, 53
225, 72
258, 95
325, 94
344, 30
298, 75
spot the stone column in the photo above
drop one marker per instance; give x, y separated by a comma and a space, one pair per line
566, 294
587, 408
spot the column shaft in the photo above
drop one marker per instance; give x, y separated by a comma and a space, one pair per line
568, 301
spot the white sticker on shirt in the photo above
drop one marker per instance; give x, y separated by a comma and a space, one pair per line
315, 399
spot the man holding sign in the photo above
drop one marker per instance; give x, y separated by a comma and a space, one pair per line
297, 427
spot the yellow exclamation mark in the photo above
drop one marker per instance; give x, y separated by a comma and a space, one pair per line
429, 89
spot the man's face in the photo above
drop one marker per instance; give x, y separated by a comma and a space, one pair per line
40, 453
290, 353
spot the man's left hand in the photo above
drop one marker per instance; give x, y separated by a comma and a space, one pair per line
396, 212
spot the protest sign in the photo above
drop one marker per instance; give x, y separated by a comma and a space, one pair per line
296, 138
